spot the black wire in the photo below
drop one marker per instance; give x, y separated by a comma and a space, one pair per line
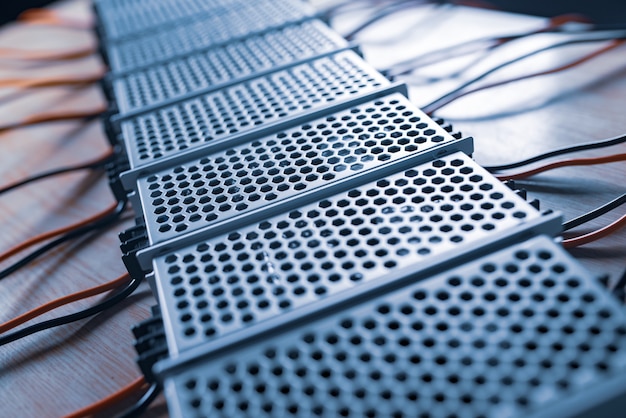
595, 213
384, 12
62, 170
77, 316
335, 9
408, 66
566, 150
457, 90
66, 237
143, 403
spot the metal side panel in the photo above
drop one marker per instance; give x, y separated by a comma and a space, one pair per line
192, 123
131, 18
517, 333
220, 185
212, 31
228, 282
218, 67
129, 178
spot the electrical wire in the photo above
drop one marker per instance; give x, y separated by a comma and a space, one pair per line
59, 231
106, 403
27, 83
21, 54
140, 407
340, 7
90, 165
561, 151
434, 105
62, 301
48, 17
487, 45
74, 233
572, 64
595, 235
563, 163
589, 216
44, 118
389, 10
77, 316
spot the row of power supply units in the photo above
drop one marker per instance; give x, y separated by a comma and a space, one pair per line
318, 246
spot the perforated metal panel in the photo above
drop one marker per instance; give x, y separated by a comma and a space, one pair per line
224, 65
513, 334
223, 184
246, 106
229, 282
125, 18
181, 39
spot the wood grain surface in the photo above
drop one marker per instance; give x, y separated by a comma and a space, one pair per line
58, 371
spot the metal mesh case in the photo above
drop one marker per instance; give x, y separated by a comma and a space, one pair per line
222, 184
127, 18
212, 31
217, 67
523, 332
228, 282
246, 106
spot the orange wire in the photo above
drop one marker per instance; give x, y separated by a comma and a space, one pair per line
40, 16
20, 54
62, 301
563, 163
579, 61
70, 115
50, 234
595, 235
25, 83
110, 400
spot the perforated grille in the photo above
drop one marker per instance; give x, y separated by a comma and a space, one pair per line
165, 44
126, 18
230, 182
245, 106
228, 282
222, 65
501, 337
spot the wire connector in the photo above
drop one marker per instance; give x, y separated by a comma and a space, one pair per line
133, 240
114, 169
448, 127
111, 131
150, 344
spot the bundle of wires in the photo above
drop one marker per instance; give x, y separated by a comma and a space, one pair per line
64, 234
388, 10
122, 287
485, 45
500, 171
616, 40
106, 404
58, 236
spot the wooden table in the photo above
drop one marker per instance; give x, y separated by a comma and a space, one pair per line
58, 371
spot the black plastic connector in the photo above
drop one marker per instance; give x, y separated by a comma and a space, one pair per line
522, 193
150, 344
131, 241
535, 203
448, 127
131, 234
604, 280
510, 184
114, 169
111, 131
107, 89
